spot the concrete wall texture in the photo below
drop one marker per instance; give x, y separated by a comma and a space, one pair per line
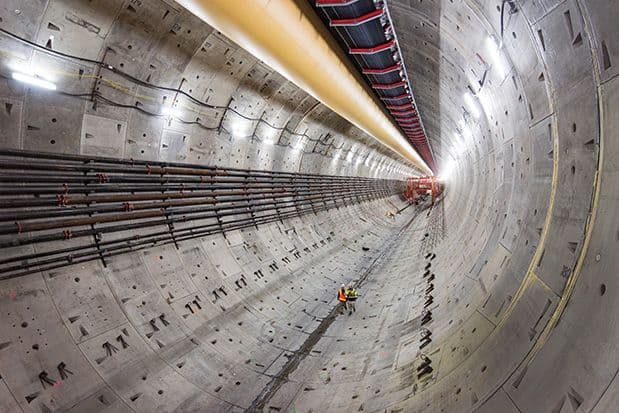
525, 278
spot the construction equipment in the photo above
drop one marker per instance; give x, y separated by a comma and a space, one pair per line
418, 188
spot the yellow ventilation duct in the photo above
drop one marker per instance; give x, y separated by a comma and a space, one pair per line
289, 37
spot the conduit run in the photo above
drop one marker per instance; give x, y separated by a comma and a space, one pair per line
94, 201
288, 36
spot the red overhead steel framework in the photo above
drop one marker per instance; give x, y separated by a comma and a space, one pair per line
357, 20
365, 28
419, 187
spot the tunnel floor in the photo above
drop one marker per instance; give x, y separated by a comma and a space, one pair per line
123, 291
175, 329
368, 360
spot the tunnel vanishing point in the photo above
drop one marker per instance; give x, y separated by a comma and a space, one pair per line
185, 186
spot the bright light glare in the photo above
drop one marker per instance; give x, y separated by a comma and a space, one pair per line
447, 170
495, 54
459, 148
299, 144
485, 101
240, 129
269, 135
170, 112
34, 81
472, 105
466, 131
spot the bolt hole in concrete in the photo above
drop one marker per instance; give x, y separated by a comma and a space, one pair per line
602, 289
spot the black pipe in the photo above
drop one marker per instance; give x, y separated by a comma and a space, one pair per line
138, 195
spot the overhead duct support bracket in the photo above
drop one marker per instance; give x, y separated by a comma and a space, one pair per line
288, 36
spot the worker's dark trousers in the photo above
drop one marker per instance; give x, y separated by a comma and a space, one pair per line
342, 306
351, 307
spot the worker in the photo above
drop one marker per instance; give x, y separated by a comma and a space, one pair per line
341, 297
351, 297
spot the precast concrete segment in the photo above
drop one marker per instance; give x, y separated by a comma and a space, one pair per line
288, 36
134, 118
360, 352
117, 195
282, 376
523, 293
176, 338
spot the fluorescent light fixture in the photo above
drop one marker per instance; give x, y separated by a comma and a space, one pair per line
495, 54
170, 112
491, 43
472, 105
269, 134
466, 131
299, 144
34, 81
460, 141
485, 101
240, 128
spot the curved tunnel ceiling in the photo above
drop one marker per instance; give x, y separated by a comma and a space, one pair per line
277, 33
501, 297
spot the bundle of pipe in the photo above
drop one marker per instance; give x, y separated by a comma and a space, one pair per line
54, 198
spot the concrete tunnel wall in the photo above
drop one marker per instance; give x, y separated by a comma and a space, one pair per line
525, 275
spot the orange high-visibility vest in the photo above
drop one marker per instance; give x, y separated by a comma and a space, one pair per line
341, 295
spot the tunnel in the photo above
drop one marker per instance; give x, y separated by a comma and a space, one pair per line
186, 185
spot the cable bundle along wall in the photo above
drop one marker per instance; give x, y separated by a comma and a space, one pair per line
95, 202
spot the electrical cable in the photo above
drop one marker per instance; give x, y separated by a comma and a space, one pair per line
139, 82
98, 96
135, 80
